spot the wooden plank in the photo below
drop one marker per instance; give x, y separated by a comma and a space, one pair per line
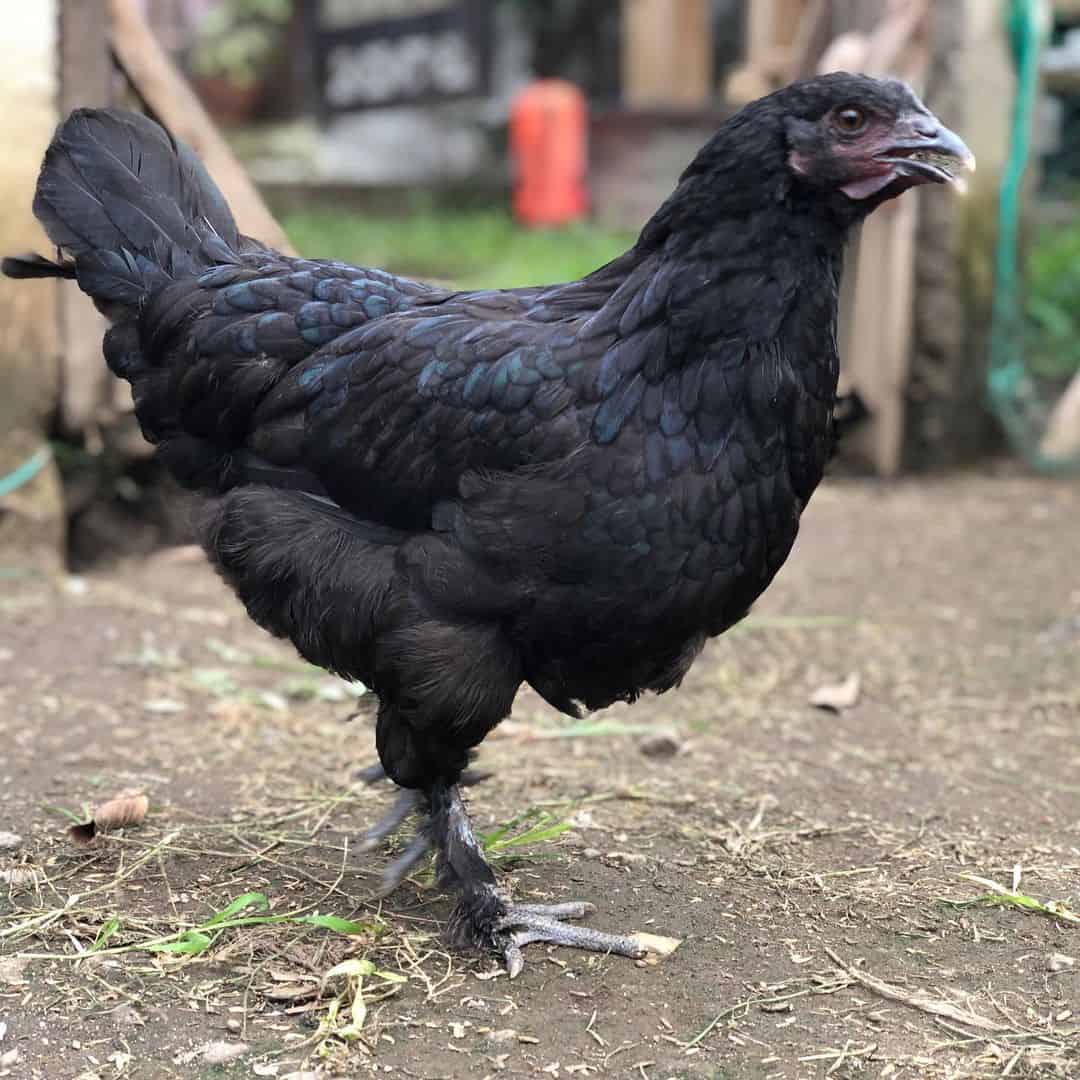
667, 53
166, 93
86, 75
877, 301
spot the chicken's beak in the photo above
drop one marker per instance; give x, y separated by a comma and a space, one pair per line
927, 152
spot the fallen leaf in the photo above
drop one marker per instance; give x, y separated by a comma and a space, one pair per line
291, 992
11, 970
164, 705
120, 1060
127, 808
837, 697
220, 1053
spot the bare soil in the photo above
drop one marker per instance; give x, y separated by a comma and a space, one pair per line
815, 865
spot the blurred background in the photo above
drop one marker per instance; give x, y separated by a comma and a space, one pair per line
509, 142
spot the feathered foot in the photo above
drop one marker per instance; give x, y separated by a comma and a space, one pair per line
485, 917
407, 803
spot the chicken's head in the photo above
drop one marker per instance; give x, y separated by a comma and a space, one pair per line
870, 139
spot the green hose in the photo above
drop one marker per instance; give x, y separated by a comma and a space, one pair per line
1014, 397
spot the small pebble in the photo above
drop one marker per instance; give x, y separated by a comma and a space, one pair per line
627, 858
501, 1037
1060, 962
591, 853
233, 1025
9, 841
661, 744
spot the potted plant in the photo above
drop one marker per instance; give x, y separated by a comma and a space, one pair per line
232, 54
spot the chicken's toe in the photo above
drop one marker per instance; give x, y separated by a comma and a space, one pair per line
398, 870
528, 923
406, 803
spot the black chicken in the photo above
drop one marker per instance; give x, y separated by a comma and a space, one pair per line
447, 494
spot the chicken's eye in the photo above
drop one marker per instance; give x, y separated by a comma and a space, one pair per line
850, 119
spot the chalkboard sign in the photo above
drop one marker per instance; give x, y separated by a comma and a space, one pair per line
377, 53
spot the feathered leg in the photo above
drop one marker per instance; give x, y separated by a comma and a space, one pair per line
485, 917
407, 803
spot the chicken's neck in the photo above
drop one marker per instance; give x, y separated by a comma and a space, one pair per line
727, 333
770, 275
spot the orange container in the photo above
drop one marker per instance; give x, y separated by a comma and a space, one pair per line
548, 148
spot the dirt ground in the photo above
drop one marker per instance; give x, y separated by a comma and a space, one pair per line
818, 867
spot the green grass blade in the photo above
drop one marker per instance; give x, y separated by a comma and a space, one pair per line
338, 925
256, 900
108, 929
191, 943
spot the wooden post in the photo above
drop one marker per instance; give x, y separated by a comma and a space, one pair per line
86, 75
31, 501
667, 53
774, 32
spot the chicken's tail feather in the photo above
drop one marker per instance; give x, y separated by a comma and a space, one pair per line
131, 206
35, 266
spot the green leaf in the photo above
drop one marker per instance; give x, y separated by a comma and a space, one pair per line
389, 976
355, 968
333, 922
108, 929
256, 900
191, 942
546, 828
358, 1011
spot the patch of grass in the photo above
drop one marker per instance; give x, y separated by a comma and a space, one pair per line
1003, 896
347, 1013
537, 825
250, 909
473, 249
